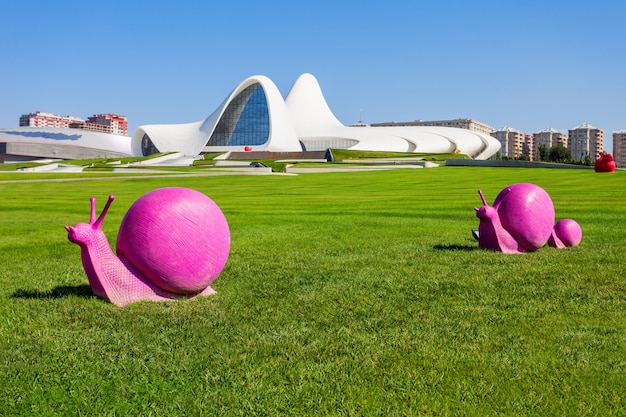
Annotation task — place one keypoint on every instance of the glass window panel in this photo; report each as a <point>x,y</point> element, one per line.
<point>246,120</point>
<point>147,147</point>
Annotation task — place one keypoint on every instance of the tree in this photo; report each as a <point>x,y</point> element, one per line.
<point>542,153</point>
<point>559,153</point>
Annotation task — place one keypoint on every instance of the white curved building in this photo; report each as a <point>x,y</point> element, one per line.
<point>31,143</point>
<point>255,116</point>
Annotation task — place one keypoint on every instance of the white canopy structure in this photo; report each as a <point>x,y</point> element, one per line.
<point>255,116</point>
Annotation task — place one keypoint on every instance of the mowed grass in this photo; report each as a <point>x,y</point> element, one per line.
<point>345,294</point>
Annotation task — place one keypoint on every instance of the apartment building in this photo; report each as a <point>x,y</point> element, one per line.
<point>619,148</point>
<point>548,137</point>
<point>107,123</point>
<point>585,140</point>
<point>118,124</point>
<point>511,141</point>
<point>528,147</point>
<point>94,127</point>
<point>44,119</point>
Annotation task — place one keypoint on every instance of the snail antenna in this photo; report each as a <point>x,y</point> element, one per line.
<point>92,216</point>
<point>98,222</point>
<point>482,197</point>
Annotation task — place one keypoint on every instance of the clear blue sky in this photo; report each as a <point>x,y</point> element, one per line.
<point>525,64</point>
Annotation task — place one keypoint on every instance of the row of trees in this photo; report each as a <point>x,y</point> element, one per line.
<point>559,154</point>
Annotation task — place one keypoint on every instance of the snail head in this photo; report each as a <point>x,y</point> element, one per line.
<point>82,232</point>
<point>484,211</point>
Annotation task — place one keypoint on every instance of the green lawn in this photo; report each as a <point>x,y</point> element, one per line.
<point>348,294</point>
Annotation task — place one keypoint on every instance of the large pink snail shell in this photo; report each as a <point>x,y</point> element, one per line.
<point>527,212</point>
<point>178,238</point>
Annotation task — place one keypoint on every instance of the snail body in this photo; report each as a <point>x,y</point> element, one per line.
<point>172,243</point>
<point>521,220</point>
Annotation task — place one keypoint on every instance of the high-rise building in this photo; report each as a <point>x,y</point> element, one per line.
<point>94,127</point>
<point>548,137</point>
<point>118,123</point>
<point>585,141</point>
<point>619,148</point>
<point>43,119</point>
<point>528,147</point>
<point>469,124</point>
<point>511,141</point>
<point>107,123</point>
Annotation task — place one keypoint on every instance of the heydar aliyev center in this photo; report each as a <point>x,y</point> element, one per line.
<point>253,117</point>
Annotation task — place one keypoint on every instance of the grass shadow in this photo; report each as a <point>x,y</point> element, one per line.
<point>455,247</point>
<point>62,291</point>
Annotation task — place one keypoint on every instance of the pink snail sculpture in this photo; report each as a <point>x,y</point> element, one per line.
<point>522,219</point>
<point>172,243</point>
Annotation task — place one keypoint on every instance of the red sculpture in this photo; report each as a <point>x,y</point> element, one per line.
<point>605,163</point>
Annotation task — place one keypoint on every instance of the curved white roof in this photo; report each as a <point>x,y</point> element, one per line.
<point>313,120</point>
<point>191,138</point>
<point>80,138</point>
<point>169,138</point>
<point>308,109</point>
<point>305,121</point>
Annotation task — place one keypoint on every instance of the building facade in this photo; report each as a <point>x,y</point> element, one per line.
<point>619,148</point>
<point>118,124</point>
<point>469,124</point>
<point>48,120</point>
<point>585,141</point>
<point>547,137</point>
<point>528,147</point>
<point>94,127</point>
<point>106,123</point>
<point>511,141</point>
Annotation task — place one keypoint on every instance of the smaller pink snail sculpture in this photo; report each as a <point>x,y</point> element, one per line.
<point>172,243</point>
<point>521,220</point>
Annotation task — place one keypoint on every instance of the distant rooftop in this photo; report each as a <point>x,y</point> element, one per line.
<point>508,129</point>
<point>549,130</point>
<point>585,126</point>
